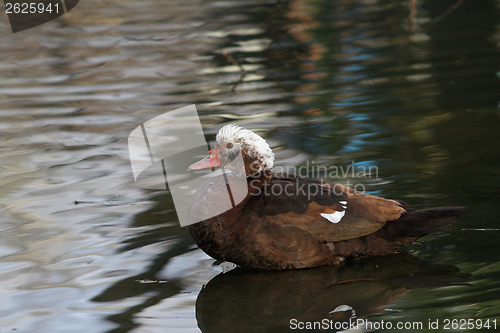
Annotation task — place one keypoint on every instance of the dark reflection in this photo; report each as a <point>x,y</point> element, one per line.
<point>160,214</point>
<point>248,301</point>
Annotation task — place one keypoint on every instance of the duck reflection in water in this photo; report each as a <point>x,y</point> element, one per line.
<point>263,301</point>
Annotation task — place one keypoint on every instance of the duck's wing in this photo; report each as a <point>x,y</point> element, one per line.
<point>330,212</point>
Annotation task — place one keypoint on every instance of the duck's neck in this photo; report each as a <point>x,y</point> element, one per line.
<point>258,180</point>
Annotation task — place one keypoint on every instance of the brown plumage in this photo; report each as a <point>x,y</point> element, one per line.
<point>289,222</point>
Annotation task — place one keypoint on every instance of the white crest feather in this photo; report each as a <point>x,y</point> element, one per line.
<point>255,145</point>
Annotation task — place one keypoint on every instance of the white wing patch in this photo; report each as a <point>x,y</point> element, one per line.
<point>342,308</point>
<point>337,216</point>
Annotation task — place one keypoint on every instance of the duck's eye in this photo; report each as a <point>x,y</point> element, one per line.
<point>229,145</point>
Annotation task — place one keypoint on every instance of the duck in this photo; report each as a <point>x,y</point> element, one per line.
<point>285,221</point>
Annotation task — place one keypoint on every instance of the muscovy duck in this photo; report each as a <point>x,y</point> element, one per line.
<point>291,222</point>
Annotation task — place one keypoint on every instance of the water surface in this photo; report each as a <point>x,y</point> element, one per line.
<point>332,83</point>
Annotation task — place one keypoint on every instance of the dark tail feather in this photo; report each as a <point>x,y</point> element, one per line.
<point>421,222</point>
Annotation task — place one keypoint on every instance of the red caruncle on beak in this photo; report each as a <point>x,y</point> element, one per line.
<point>212,160</point>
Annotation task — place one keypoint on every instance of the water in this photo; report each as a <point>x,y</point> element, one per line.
<point>83,249</point>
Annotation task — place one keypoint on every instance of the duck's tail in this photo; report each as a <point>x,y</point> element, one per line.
<point>396,234</point>
<point>418,223</point>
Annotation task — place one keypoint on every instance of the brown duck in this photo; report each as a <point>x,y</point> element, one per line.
<point>290,222</point>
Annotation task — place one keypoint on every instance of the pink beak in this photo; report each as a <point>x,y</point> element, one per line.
<point>212,160</point>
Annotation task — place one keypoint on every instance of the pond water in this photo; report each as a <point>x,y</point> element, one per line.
<point>327,82</point>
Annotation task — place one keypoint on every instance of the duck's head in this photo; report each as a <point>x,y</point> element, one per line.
<point>233,140</point>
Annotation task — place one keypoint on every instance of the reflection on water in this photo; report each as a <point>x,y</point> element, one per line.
<point>245,301</point>
<point>330,82</point>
